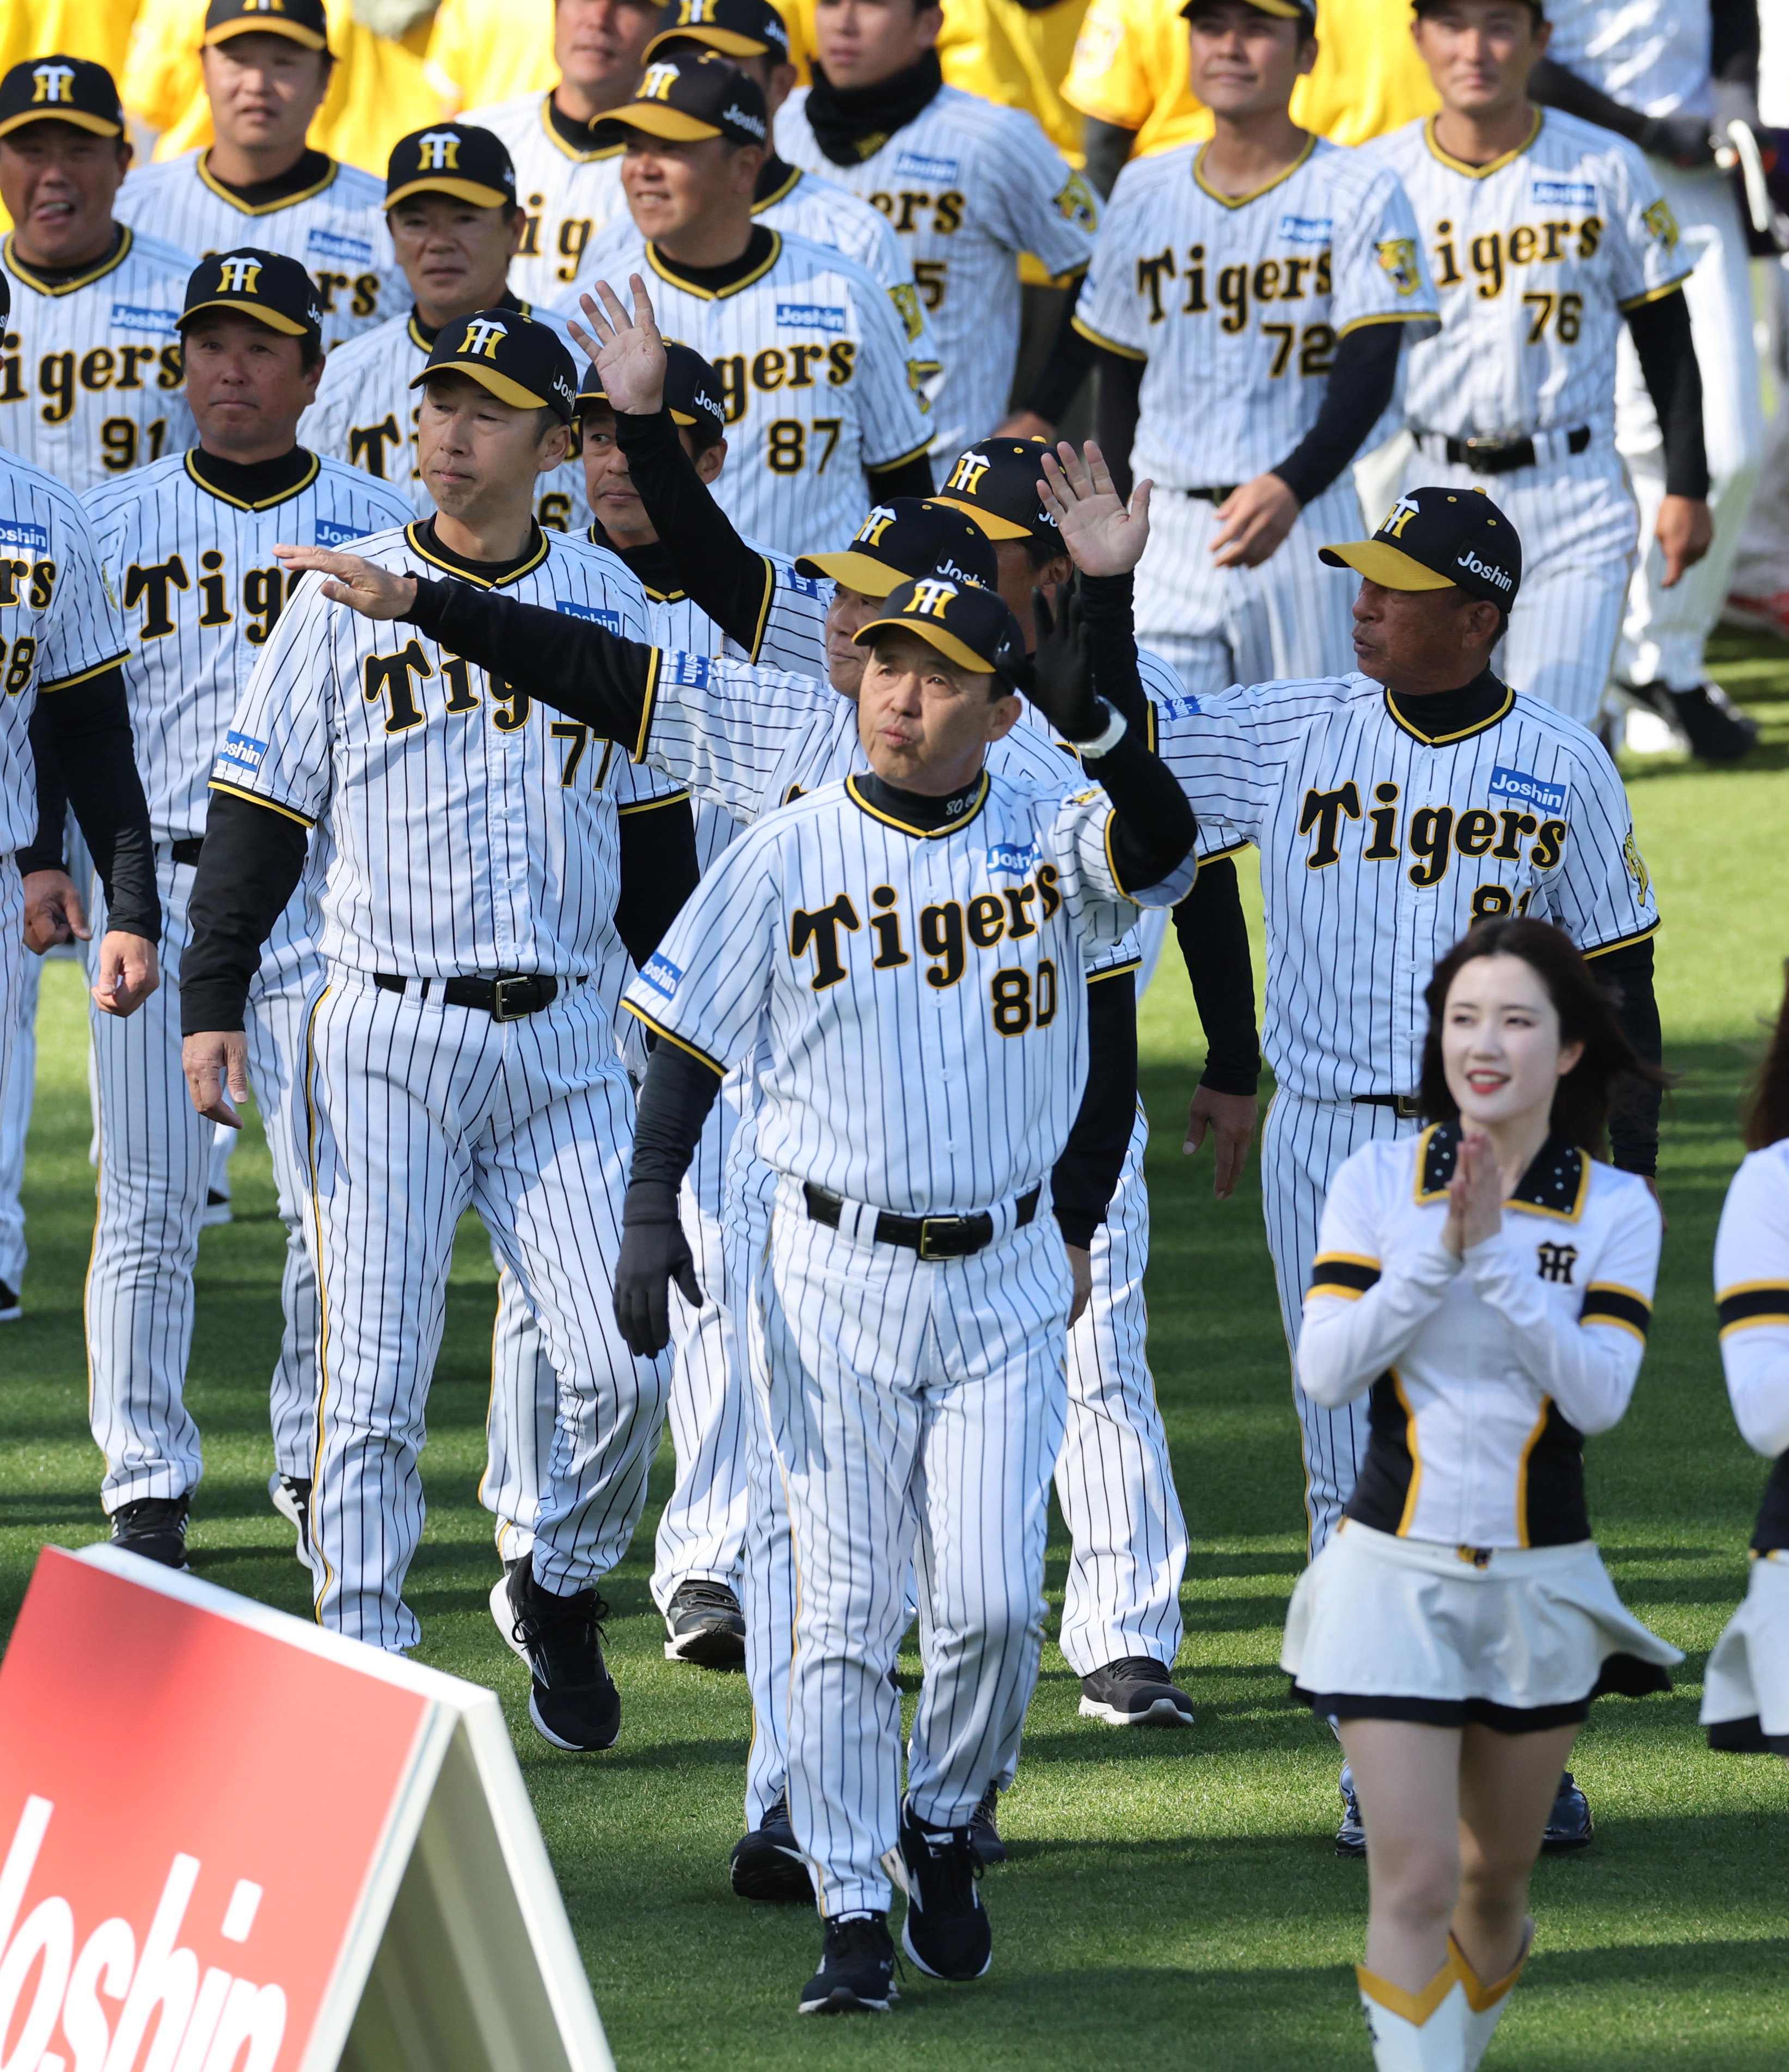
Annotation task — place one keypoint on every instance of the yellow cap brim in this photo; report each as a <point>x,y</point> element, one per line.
<point>259,25</point>
<point>475,191</point>
<point>994,529</point>
<point>274,319</point>
<point>96,125</point>
<point>1381,562</point>
<point>672,124</point>
<point>500,385</point>
<point>862,573</point>
<point>728,40</point>
<point>601,395</point>
<point>941,637</point>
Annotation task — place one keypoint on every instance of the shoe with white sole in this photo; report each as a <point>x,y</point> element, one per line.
<point>290,1497</point>
<point>856,1973</point>
<point>705,1626</point>
<point>768,1863</point>
<point>572,1698</point>
<point>946,1931</point>
<point>1135,1692</point>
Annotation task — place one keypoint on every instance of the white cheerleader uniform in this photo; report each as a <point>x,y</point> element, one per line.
<point>1464,1585</point>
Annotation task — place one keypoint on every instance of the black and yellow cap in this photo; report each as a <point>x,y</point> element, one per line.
<point>522,363</point>
<point>685,100</point>
<point>1280,10</point>
<point>995,481</point>
<point>1439,539</point>
<point>737,28</point>
<point>456,159</point>
<point>968,623</point>
<point>274,290</point>
<point>299,21</point>
<point>907,537</point>
<point>692,393</point>
<point>61,90</point>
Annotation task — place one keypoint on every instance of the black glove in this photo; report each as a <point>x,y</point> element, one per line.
<point>655,1252</point>
<point>1684,140</point>
<point>1061,683</point>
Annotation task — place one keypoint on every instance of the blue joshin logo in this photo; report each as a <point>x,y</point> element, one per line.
<point>136,316</point>
<point>338,244</point>
<point>923,165</point>
<point>21,533</point>
<point>812,316</point>
<point>1563,194</point>
<point>691,671</point>
<point>1307,229</point>
<point>1176,705</point>
<point>241,755</point>
<point>332,532</point>
<point>661,974</point>
<point>1018,857</point>
<point>1531,791</point>
<point>598,614</point>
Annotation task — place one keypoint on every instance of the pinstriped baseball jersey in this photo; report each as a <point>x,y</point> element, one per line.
<point>366,413</point>
<point>968,187</point>
<point>1649,55</point>
<point>470,830</point>
<point>569,195</point>
<point>854,934</point>
<point>1380,849</point>
<point>1536,256</point>
<point>194,573</point>
<point>91,380</point>
<point>57,625</point>
<point>1238,305</point>
<point>816,378</point>
<point>336,232</point>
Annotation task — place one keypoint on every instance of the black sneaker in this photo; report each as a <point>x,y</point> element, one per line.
<point>290,1497</point>
<point>705,1625</point>
<point>856,1973</point>
<point>11,1309</point>
<point>1569,1826</point>
<point>946,1932</point>
<point>984,1837</point>
<point>768,1863</point>
<point>572,1699</point>
<point>1136,1691</point>
<point>1351,1837</point>
<point>154,1526</point>
<point>1716,731</point>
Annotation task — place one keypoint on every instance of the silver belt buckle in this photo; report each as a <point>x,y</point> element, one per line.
<point>500,1008</point>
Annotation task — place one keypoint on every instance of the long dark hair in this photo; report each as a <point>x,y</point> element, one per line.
<point>1766,1117</point>
<point>1586,1010</point>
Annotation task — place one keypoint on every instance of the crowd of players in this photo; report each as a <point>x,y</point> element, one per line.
<point>632,704</point>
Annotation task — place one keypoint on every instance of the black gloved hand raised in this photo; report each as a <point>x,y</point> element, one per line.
<point>1062,679</point>
<point>655,1253</point>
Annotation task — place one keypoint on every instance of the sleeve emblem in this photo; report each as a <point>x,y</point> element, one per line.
<point>1662,223</point>
<point>1076,204</point>
<point>1397,258</point>
<point>1636,865</point>
<point>905,297</point>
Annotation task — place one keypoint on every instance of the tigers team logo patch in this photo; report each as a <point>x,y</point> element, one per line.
<point>1662,223</point>
<point>1397,260</point>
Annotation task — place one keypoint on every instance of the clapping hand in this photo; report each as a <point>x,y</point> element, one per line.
<point>1475,1196</point>
<point>628,351</point>
<point>1104,535</point>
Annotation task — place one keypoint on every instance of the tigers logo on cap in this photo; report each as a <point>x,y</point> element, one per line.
<point>930,597</point>
<point>657,81</point>
<point>967,473</point>
<point>51,85</point>
<point>439,151</point>
<point>869,533</point>
<point>238,277</point>
<point>482,335</point>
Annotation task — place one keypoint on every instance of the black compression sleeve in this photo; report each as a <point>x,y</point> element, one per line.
<point>1361,380</point>
<point>1661,335</point>
<point>89,726</point>
<point>912,477</point>
<point>659,873</point>
<point>48,850</point>
<point>720,573</point>
<point>1087,1175</point>
<point>578,668</point>
<point>1214,943</point>
<point>1069,362</point>
<point>1153,826</point>
<point>253,857</point>
<point>1121,382</point>
<point>679,1090</point>
<point>1107,146</point>
<point>1106,603</point>
<point>1554,87</point>
<point>1634,1129</point>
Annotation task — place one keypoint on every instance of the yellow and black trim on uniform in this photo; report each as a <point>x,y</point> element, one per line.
<point>1557,1183</point>
<point>1747,1304</point>
<point>954,825</point>
<point>257,799</point>
<point>1484,172</point>
<point>195,475</point>
<point>1348,1274</point>
<point>539,550</point>
<point>1608,1302</point>
<point>670,1036</point>
<point>324,181</point>
<point>1279,179</point>
<point>113,259</point>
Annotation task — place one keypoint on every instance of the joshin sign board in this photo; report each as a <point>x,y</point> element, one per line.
<point>231,1843</point>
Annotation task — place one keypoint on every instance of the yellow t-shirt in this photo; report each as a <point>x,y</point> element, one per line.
<point>98,30</point>
<point>1018,56</point>
<point>483,51</point>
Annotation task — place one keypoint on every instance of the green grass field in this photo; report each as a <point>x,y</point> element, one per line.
<point>1172,1901</point>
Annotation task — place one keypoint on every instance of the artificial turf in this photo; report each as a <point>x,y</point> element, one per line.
<point>1172,1899</point>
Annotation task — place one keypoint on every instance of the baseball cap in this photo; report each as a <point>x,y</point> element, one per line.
<point>519,361</point>
<point>737,28</point>
<point>61,90</point>
<point>1281,10</point>
<point>274,290</point>
<point>995,482</point>
<point>303,20</point>
<point>906,537</point>
<point>1439,539</point>
<point>456,159</point>
<point>968,624</point>
<point>686,99</point>
<point>693,392</point>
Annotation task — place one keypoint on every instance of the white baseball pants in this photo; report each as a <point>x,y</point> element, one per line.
<point>416,1111</point>
<point>18,1084</point>
<point>1303,1143</point>
<point>155,1162</point>
<point>915,1411</point>
<point>13,958</point>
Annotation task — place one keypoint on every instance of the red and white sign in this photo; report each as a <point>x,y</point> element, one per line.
<point>226,1837</point>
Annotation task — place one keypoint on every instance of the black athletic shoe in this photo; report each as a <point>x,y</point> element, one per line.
<point>946,1932</point>
<point>572,1699</point>
<point>768,1863</point>
<point>154,1526</point>
<point>1351,1837</point>
<point>1136,1691</point>
<point>290,1497</point>
<point>984,1837</point>
<point>1716,731</point>
<point>1569,1826</point>
<point>11,1309</point>
<point>705,1625</point>
<point>856,1973</point>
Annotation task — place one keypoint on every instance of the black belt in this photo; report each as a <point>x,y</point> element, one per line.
<point>1405,1106</point>
<point>186,849</point>
<point>932,1237</point>
<point>507,997</point>
<point>1218,493</point>
<point>1500,456</point>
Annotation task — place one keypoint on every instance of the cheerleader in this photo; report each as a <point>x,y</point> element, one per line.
<point>1490,1283</point>
<point>1746,1697</point>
